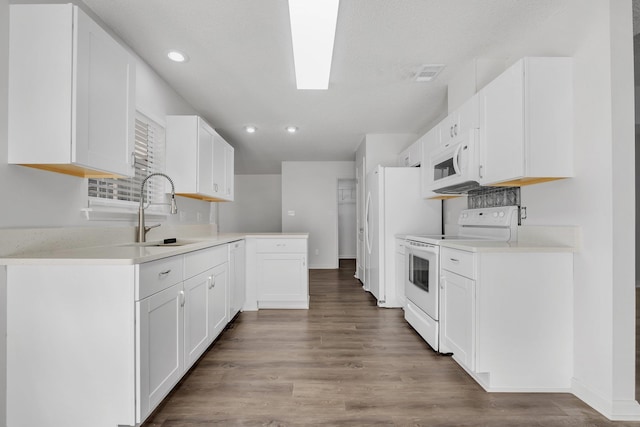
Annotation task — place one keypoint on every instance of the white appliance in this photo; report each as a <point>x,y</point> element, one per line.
<point>422,263</point>
<point>455,168</point>
<point>393,206</point>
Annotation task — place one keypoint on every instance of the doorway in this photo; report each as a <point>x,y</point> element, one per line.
<point>347,228</point>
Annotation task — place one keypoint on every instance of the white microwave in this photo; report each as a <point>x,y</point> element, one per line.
<point>455,169</point>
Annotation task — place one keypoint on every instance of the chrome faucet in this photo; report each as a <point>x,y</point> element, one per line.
<point>142,229</point>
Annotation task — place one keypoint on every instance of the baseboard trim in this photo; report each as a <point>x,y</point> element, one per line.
<point>615,410</point>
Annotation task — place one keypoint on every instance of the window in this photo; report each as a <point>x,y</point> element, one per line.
<point>124,193</point>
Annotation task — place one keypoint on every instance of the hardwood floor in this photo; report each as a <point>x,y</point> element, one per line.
<point>346,362</point>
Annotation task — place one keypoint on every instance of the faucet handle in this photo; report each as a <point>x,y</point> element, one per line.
<point>149,227</point>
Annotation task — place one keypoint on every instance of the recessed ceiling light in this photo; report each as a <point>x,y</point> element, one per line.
<point>250,129</point>
<point>313,30</point>
<point>291,129</point>
<point>177,56</point>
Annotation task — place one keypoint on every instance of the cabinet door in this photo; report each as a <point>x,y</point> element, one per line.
<point>230,170</point>
<point>283,277</point>
<point>105,103</point>
<point>160,346</point>
<point>196,316</point>
<point>218,289</point>
<point>468,116</point>
<point>219,167</point>
<point>205,159</point>
<point>502,127</point>
<point>237,279</point>
<point>449,128</point>
<point>457,317</point>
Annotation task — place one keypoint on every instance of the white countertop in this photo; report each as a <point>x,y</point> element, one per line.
<point>498,246</point>
<point>135,253</point>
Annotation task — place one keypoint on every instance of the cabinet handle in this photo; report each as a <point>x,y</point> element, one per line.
<point>133,159</point>
<point>182,299</point>
<point>451,131</point>
<point>215,187</point>
<point>164,273</point>
<point>304,262</point>
<point>454,260</point>
<point>212,282</point>
<point>455,129</point>
<point>480,171</point>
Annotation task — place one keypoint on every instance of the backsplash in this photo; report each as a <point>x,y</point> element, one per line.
<point>489,197</point>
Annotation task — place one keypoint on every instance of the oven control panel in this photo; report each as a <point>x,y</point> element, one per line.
<point>505,216</point>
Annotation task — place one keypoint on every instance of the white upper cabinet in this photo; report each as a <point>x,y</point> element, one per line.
<point>71,93</point>
<point>526,123</point>
<point>460,121</point>
<point>411,156</point>
<point>199,161</point>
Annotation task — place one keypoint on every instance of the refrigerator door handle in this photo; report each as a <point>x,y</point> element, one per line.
<point>367,223</point>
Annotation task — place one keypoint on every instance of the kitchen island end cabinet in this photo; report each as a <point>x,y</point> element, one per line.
<point>277,272</point>
<point>102,345</point>
<point>507,317</point>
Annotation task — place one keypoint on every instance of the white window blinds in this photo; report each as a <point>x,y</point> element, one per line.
<point>149,158</point>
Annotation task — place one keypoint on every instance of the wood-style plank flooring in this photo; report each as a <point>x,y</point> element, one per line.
<point>346,362</point>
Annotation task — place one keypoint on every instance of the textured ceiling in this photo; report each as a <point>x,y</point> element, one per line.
<point>241,68</point>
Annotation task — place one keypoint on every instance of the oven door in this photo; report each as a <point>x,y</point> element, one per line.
<point>422,284</point>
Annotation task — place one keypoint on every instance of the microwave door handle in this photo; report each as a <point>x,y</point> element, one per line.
<point>456,158</point>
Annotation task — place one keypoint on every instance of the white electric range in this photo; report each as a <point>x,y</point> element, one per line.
<point>422,285</point>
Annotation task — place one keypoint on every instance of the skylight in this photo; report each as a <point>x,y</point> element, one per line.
<point>313,30</point>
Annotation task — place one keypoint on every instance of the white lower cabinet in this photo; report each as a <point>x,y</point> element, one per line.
<point>161,335</point>
<point>277,273</point>
<point>237,277</point>
<point>457,306</point>
<point>283,279</point>
<point>117,338</point>
<point>507,317</point>
<point>197,315</point>
<point>218,299</point>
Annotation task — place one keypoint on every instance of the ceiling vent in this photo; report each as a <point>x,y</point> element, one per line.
<point>428,72</point>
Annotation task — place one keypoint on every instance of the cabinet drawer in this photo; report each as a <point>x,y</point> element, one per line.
<point>204,259</point>
<point>158,275</point>
<point>281,245</point>
<point>459,262</point>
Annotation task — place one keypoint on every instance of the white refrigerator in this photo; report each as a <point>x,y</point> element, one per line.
<point>393,205</point>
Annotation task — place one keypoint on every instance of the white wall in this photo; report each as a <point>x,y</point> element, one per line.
<point>257,206</point>
<point>309,191</point>
<point>600,199</point>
